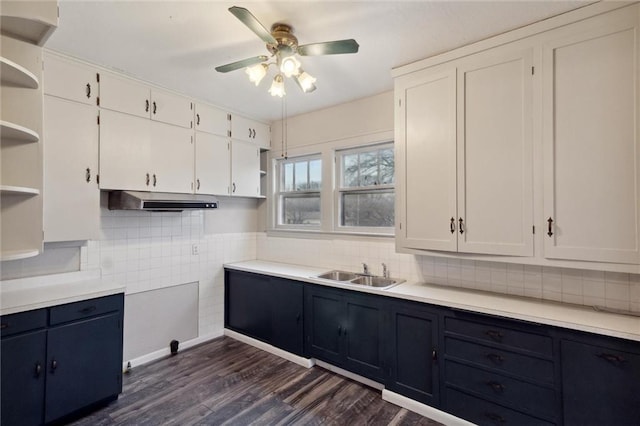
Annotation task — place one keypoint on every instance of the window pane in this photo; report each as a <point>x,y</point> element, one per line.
<point>374,209</point>
<point>288,177</point>
<point>386,166</point>
<point>315,174</point>
<point>301,210</point>
<point>301,176</point>
<point>349,170</point>
<point>368,168</point>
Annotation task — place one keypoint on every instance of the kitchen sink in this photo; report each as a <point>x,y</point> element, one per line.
<point>382,283</point>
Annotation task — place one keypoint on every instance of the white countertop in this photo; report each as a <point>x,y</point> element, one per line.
<point>574,317</point>
<point>40,292</point>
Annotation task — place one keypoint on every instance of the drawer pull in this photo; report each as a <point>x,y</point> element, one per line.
<point>495,358</point>
<point>38,369</point>
<point>612,358</point>
<point>495,335</point>
<point>4,325</point>
<point>495,418</point>
<point>497,387</point>
<point>87,310</point>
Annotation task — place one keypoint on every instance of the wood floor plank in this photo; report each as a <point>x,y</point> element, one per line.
<point>226,382</point>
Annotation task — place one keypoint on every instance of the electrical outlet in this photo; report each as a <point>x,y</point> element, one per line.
<point>195,250</point>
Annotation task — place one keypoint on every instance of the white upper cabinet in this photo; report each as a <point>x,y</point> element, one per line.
<point>245,169</point>
<point>70,80</point>
<point>495,157</point>
<point>211,120</point>
<point>171,158</point>
<point>426,160</point>
<point>590,131</point>
<point>213,164</point>
<point>248,130</point>
<point>465,156</point>
<point>171,109</point>
<point>71,193</point>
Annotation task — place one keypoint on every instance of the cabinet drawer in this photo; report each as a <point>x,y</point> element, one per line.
<point>496,334</point>
<point>482,412</point>
<point>505,390</point>
<point>23,321</point>
<point>522,365</point>
<point>86,308</point>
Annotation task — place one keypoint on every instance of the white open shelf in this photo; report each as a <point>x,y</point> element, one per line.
<point>12,74</point>
<point>14,131</point>
<point>18,190</point>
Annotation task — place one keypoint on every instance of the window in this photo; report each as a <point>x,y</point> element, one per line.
<point>298,192</point>
<point>365,191</point>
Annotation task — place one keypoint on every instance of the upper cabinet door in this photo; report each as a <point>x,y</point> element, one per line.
<point>212,120</point>
<point>426,160</point>
<point>171,158</point>
<point>171,109</point>
<point>591,152</point>
<point>244,129</point>
<point>70,80</point>
<point>495,157</point>
<point>245,169</point>
<point>213,164</point>
<point>125,95</point>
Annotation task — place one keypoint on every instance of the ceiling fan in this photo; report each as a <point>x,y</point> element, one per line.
<point>283,46</point>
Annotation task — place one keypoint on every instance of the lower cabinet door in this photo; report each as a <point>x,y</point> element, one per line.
<point>247,307</point>
<point>413,346</point>
<point>323,325</point>
<point>84,364</point>
<point>600,385</point>
<point>23,373</point>
<point>286,315</point>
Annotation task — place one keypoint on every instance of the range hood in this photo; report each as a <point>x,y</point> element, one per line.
<point>160,201</point>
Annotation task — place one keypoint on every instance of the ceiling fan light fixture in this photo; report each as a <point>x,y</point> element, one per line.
<point>277,86</point>
<point>290,66</point>
<point>256,73</point>
<point>305,81</point>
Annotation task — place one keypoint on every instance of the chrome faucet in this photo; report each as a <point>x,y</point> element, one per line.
<point>385,271</point>
<point>365,269</point>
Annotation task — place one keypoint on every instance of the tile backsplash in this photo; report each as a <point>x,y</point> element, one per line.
<point>583,287</point>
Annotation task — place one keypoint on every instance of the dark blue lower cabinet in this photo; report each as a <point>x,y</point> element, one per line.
<point>413,348</point>
<point>52,370</point>
<point>23,378</point>
<point>600,383</point>
<point>346,329</point>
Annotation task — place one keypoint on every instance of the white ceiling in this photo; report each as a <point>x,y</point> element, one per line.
<point>177,44</point>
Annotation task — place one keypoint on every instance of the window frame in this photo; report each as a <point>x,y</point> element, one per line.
<point>340,190</point>
<point>280,194</point>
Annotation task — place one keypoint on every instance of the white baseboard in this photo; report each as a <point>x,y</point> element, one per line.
<point>304,362</point>
<point>423,409</point>
<point>350,375</point>
<point>163,353</point>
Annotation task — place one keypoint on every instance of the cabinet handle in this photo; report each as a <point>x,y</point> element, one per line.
<point>148,179</point>
<point>198,119</point>
<point>155,107</point>
<point>254,133</point>
<point>494,417</point>
<point>497,387</point>
<point>88,90</point>
<point>461,221</point>
<point>38,369</point>
<point>434,355</point>
<point>549,231</point>
<point>612,358</point>
<point>198,184</point>
<point>146,105</point>
<point>339,330</point>
<point>495,358</point>
<point>452,225</point>
<point>495,335</point>
<point>54,365</point>
<point>88,175</point>
<point>87,310</point>
<point>298,318</point>
<point>155,180</point>
<point>4,325</point>
<point>234,188</point>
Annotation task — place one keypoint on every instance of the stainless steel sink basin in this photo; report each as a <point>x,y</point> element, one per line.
<point>338,276</point>
<point>360,279</point>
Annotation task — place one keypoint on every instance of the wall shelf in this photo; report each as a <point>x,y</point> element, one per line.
<point>14,131</point>
<point>18,254</point>
<point>12,74</point>
<point>18,190</point>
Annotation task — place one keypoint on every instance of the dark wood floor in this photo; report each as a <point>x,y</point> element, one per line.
<point>228,382</point>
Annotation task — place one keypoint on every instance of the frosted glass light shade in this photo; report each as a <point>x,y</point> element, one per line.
<point>277,87</point>
<point>256,73</point>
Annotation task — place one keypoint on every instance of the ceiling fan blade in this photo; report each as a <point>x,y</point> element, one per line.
<point>329,48</point>
<point>253,24</point>
<point>241,64</point>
